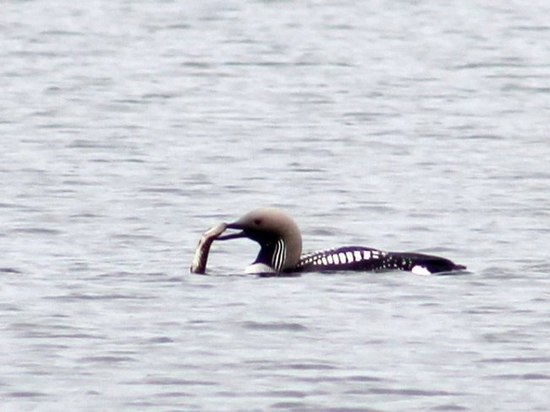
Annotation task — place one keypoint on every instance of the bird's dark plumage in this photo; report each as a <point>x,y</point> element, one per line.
<point>281,250</point>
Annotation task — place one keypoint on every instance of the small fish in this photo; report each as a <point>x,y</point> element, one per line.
<point>201,253</point>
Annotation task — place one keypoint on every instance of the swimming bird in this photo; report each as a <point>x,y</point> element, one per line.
<point>280,252</point>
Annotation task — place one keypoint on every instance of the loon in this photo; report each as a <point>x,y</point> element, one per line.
<point>280,252</point>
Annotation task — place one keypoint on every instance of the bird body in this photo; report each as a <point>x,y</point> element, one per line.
<point>280,252</point>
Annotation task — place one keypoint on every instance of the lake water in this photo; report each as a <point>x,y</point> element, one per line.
<point>130,127</point>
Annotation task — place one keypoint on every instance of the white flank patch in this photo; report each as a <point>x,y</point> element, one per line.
<point>329,258</point>
<point>420,270</point>
<point>366,255</point>
<point>349,256</point>
<point>336,260</point>
<point>357,255</point>
<point>324,260</point>
<point>259,268</point>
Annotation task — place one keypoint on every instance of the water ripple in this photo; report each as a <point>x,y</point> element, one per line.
<point>274,326</point>
<point>525,376</point>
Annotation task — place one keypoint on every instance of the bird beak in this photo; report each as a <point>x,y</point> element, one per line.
<point>230,236</point>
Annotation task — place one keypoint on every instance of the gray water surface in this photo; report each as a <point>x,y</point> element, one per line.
<point>130,127</point>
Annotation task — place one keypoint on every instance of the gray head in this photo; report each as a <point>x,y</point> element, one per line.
<point>278,235</point>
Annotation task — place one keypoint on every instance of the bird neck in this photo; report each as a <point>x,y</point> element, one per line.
<point>273,253</point>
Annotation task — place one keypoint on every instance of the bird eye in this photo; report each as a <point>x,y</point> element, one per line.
<point>257,222</point>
